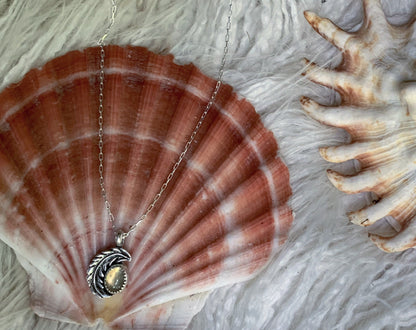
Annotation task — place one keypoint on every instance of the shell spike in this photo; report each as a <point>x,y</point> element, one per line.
<point>340,81</point>
<point>363,218</point>
<point>325,77</point>
<point>328,30</point>
<point>367,180</point>
<point>374,17</point>
<point>339,116</point>
<point>402,241</point>
<point>341,154</point>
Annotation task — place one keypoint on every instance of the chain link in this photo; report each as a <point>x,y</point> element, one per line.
<point>120,234</point>
<point>110,23</point>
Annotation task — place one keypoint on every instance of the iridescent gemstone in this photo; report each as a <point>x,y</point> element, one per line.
<point>115,279</point>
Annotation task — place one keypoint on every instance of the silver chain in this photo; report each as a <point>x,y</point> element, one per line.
<point>120,234</point>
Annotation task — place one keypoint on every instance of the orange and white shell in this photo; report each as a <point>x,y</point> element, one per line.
<point>378,110</point>
<point>218,222</point>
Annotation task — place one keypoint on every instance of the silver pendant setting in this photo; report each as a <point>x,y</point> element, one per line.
<point>106,274</point>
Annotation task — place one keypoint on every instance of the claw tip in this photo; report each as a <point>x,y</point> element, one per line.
<point>304,100</point>
<point>322,152</point>
<point>311,17</point>
<point>308,14</point>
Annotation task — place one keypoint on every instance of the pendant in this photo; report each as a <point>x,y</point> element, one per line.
<point>106,274</point>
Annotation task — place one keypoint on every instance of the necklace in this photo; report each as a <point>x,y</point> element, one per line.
<point>107,272</point>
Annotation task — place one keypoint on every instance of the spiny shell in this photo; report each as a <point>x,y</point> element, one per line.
<point>218,222</point>
<point>378,110</point>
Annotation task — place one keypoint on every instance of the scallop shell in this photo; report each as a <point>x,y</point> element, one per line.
<point>219,221</point>
<point>378,110</point>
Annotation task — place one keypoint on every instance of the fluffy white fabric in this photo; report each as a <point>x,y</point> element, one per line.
<point>328,275</point>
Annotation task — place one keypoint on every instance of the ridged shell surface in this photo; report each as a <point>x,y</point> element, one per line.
<point>378,110</point>
<point>218,222</point>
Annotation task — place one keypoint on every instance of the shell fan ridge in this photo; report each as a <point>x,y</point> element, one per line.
<point>219,221</point>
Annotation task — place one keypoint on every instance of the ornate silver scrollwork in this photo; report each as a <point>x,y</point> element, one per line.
<point>106,274</point>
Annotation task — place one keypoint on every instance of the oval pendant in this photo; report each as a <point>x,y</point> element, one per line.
<point>106,274</point>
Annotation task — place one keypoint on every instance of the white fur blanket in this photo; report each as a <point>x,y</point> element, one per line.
<point>328,275</point>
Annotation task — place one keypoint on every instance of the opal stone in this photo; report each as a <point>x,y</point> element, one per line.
<point>115,279</point>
